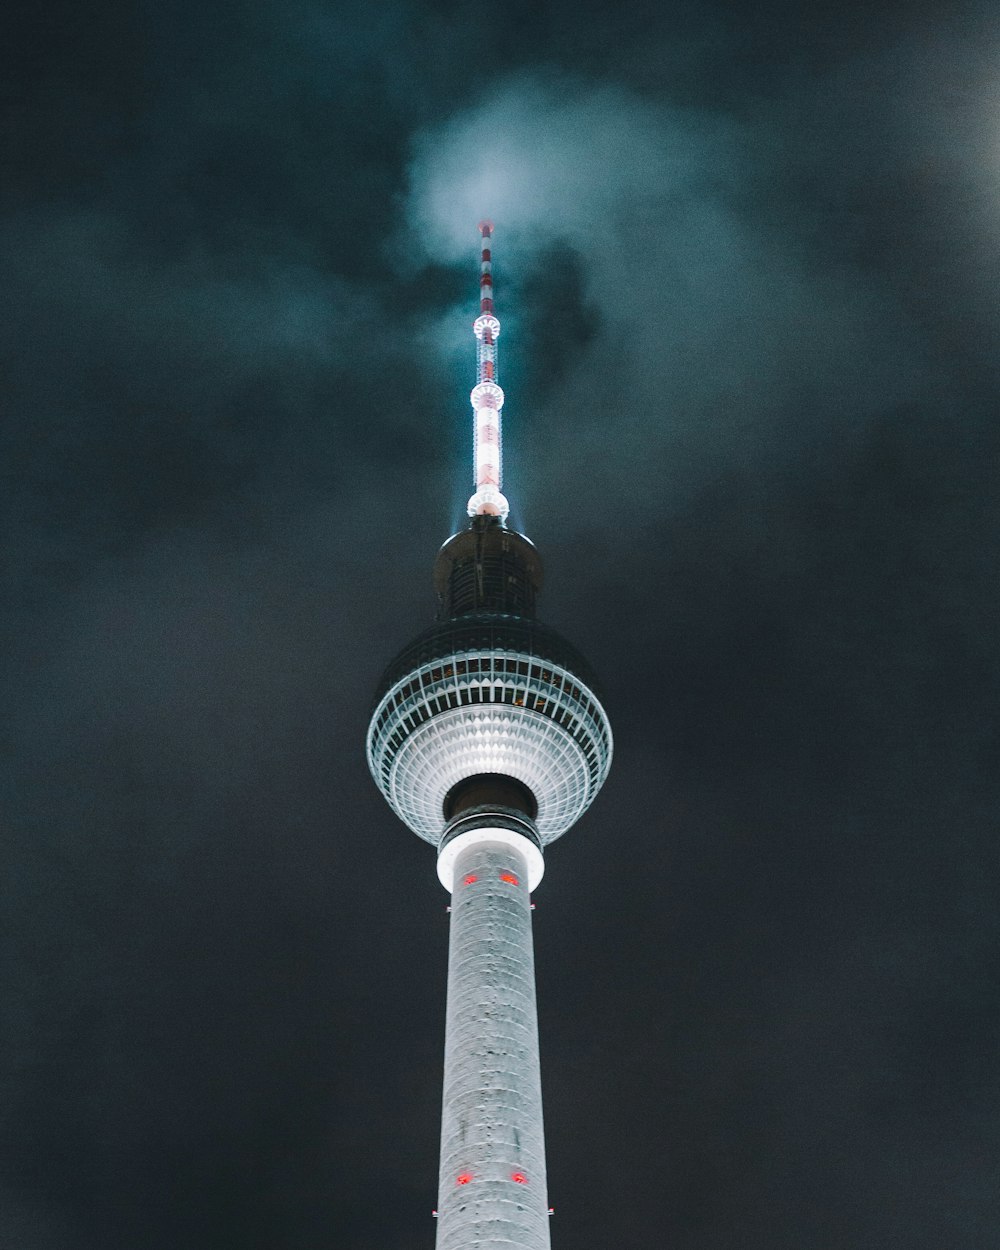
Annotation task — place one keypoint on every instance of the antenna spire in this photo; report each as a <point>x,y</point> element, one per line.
<point>487,397</point>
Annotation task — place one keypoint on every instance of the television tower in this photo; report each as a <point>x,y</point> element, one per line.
<point>489,741</point>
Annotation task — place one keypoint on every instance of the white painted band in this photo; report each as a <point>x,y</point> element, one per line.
<point>517,841</point>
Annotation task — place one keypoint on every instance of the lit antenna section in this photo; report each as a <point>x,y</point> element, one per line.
<point>487,397</point>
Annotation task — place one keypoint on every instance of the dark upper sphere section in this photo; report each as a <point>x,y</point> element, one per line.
<point>487,579</point>
<point>487,631</point>
<point>487,568</point>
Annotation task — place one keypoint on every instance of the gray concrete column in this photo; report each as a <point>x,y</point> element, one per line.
<point>492,1191</point>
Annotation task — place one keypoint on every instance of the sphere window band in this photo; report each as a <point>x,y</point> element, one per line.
<point>433,685</point>
<point>557,741</point>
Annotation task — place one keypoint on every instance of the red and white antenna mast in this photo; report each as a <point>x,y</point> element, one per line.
<point>487,397</point>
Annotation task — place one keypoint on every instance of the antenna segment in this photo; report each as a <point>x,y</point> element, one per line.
<point>487,397</point>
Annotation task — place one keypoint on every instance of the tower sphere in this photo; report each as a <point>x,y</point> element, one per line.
<point>488,691</point>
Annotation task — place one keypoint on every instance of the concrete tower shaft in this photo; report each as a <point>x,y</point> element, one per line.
<point>492,1189</point>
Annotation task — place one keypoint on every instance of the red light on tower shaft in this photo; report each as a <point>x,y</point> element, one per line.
<point>463,1178</point>
<point>509,878</point>
<point>519,1178</point>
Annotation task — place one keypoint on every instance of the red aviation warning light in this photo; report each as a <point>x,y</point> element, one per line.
<point>487,397</point>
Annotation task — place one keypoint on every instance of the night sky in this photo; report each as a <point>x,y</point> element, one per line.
<point>747,261</point>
